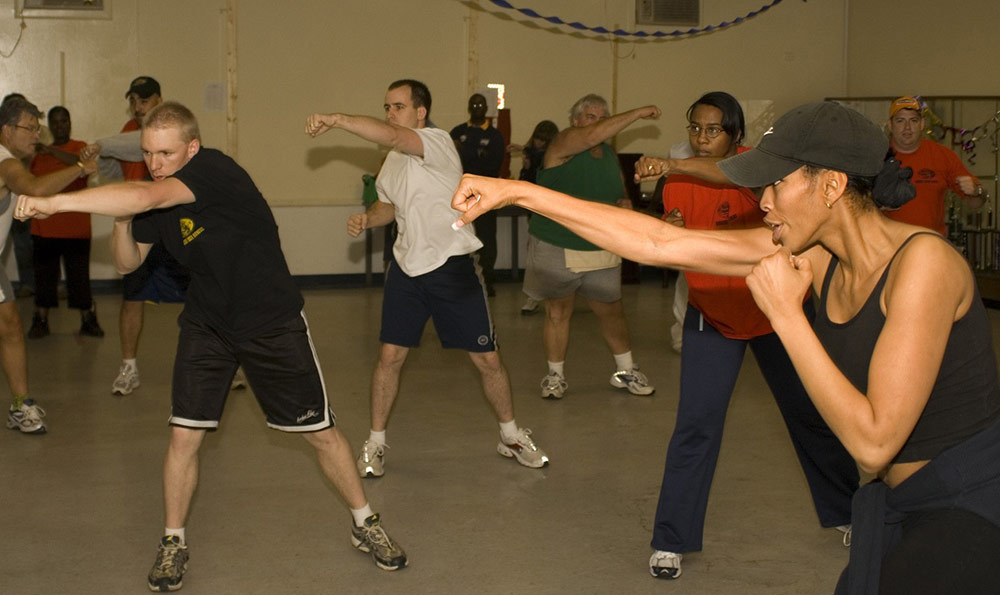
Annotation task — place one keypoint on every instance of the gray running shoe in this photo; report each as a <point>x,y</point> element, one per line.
<point>371,461</point>
<point>126,382</point>
<point>665,564</point>
<point>553,386</point>
<point>171,563</point>
<point>27,418</point>
<point>523,448</point>
<point>371,538</point>
<point>634,380</point>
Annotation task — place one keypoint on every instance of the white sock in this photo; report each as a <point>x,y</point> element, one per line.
<point>508,429</point>
<point>131,363</point>
<point>377,437</point>
<point>360,514</point>
<point>623,361</point>
<point>557,367</point>
<point>177,532</point>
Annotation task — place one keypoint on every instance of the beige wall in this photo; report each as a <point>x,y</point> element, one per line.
<point>928,48</point>
<point>298,57</point>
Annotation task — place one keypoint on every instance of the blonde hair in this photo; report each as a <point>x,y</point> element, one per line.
<point>171,114</point>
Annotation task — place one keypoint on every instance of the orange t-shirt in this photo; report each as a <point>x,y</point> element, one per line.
<point>61,225</point>
<point>935,168</point>
<point>133,171</point>
<point>725,302</point>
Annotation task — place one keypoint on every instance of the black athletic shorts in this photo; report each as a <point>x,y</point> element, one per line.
<point>280,365</point>
<point>452,295</point>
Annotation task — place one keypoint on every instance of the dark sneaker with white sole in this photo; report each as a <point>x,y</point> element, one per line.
<point>372,539</point>
<point>171,563</point>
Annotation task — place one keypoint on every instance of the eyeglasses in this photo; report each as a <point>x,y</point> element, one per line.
<point>710,131</point>
<point>30,129</point>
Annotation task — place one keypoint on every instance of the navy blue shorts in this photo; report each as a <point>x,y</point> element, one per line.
<point>453,295</point>
<point>280,365</point>
<point>159,279</point>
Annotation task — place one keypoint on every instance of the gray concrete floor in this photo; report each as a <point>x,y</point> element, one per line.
<point>83,507</point>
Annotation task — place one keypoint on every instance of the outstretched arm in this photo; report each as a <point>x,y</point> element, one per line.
<point>116,200</point>
<point>19,180</point>
<point>384,133</point>
<point>577,139</point>
<point>627,233</point>
<point>706,168</point>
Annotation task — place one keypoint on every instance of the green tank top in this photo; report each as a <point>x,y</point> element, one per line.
<point>583,176</point>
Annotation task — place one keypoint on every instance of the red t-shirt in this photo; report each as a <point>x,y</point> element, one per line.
<point>61,225</point>
<point>133,171</point>
<point>725,302</point>
<point>935,168</point>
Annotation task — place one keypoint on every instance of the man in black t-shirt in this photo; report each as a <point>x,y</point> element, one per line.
<point>482,149</point>
<point>242,308</point>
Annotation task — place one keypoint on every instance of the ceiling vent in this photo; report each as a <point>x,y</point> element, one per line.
<point>85,9</point>
<point>668,12</point>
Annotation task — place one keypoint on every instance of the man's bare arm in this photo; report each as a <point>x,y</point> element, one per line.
<point>117,200</point>
<point>19,180</point>
<point>384,133</point>
<point>577,139</point>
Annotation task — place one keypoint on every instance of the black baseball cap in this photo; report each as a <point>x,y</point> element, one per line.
<point>144,86</point>
<point>825,134</point>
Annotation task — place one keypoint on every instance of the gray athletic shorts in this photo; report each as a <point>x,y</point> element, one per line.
<point>547,277</point>
<point>6,218</point>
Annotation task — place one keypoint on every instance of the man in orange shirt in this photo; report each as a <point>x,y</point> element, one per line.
<point>935,168</point>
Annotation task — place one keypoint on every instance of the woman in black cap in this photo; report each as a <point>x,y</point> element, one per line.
<point>899,360</point>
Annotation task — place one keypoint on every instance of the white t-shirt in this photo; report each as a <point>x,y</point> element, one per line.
<point>420,189</point>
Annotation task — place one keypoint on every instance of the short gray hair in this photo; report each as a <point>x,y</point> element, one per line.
<point>589,100</point>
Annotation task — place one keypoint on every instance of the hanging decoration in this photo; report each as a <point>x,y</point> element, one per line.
<point>966,138</point>
<point>555,20</point>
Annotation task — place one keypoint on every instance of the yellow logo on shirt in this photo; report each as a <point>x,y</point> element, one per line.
<point>188,232</point>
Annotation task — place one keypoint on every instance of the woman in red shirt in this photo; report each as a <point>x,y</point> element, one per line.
<point>722,320</point>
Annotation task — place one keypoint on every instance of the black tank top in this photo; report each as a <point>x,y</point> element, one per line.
<point>966,394</point>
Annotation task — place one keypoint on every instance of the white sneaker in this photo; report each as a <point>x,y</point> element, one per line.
<point>530,307</point>
<point>665,564</point>
<point>371,461</point>
<point>634,380</point>
<point>523,448</point>
<point>27,418</point>
<point>553,386</point>
<point>126,382</point>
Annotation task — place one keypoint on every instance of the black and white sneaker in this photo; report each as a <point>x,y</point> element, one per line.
<point>171,563</point>
<point>371,538</point>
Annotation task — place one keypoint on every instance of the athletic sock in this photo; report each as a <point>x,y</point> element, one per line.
<point>131,363</point>
<point>17,401</point>
<point>360,514</point>
<point>179,533</point>
<point>623,361</point>
<point>377,437</point>
<point>508,429</point>
<point>557,367</point>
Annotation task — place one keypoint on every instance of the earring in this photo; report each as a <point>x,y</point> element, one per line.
<point>828,205</point>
